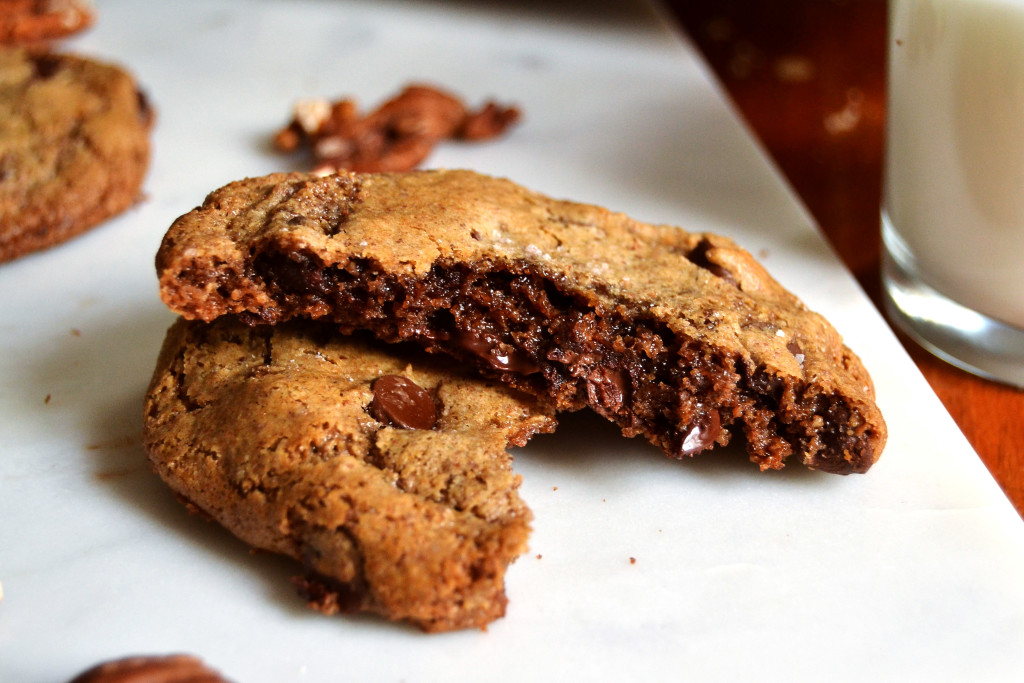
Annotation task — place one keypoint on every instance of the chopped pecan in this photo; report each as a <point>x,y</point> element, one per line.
<point>397,136</point>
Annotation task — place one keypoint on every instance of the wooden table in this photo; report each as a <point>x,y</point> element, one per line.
<point>809,78</point>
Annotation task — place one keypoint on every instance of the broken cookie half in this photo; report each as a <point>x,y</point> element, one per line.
<point>385,474</point>
<point>682,338</point>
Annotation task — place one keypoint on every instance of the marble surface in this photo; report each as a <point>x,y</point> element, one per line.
<point>911,572</point>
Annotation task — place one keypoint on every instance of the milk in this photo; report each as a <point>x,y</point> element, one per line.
<point>954,180</point>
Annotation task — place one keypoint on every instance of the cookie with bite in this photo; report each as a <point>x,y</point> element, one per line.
<point>682,338</point>
<point>384,473</point>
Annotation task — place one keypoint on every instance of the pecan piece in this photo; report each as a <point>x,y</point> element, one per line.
<point>395,137</point>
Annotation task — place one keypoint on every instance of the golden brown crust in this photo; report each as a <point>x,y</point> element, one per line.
<point>292,245</point>
<point>270,431</point>
<point>74,147</point>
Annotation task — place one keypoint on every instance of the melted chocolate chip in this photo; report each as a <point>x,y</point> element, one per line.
<point>608,387</point>
<point>699,258</point>
<point>485,346</point>
<point>797,352</point>
<point>702,433</point>
<point>769,386</point>
<point>400,402</point>
<point>297,273</point>
<point>476,342</point>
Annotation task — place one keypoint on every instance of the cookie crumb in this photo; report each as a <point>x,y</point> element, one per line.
<point>47,400</point>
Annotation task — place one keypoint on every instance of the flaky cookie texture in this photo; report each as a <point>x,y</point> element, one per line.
<point>683,338</point>
<point>74,147</point>
<point>284,436</point>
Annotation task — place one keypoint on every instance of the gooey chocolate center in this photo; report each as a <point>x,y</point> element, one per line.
<point>553,341</point>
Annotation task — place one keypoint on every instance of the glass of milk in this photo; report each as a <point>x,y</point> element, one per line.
<point>953,200</point>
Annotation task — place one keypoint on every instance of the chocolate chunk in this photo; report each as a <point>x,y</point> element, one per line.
<point>607,387</point>
<point>400,402</point>
<point>798,353</point>
<point>699,257</point>
<point>486,346</point>
<point>702,433</point>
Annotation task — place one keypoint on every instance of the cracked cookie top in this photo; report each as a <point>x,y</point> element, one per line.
<point>703,285</point>
<point>385,474</point>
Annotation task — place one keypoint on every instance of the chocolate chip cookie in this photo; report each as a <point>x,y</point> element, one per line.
<point>386,474</point>
<point>74,147</point>
<point>26,22</point>
<point>682,338</point>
